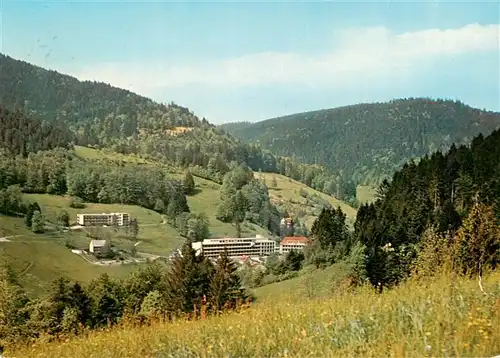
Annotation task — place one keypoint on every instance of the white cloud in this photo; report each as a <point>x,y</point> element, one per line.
<point>360,55</point>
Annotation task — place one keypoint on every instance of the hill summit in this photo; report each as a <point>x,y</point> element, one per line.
<point>368,142</point>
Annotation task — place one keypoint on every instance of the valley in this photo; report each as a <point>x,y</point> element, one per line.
<point>49,255</point>
<point>354,231</point>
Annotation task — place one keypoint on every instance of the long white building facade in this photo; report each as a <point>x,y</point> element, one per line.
<point>245,246</point>
<point>257,246</point>
<point>119,219</point>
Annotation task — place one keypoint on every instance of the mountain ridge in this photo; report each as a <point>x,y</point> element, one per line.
<point>354,134</point>
<point>102,116</point>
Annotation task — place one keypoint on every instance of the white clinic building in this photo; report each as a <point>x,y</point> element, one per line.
<point>257,246</point>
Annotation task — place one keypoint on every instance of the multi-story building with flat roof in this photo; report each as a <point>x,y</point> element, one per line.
<point>245,246</point>
<point>119,219</point>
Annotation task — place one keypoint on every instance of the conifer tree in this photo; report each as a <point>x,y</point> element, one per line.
<point>80,302</point>
<point>189,184</point>
<point>225,283</point>
<point>107,300</point>
<point>330,228</point>
<point>477,244</point>
<point>133,229</point>
<point>13,308</point>
<point>187,280</point>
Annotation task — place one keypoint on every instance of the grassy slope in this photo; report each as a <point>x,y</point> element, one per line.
<point>287,195</point>
<point>90,153</point>
<point>440,318</point>
<point>311,283</point>
<point>205,201</point>
<point>44,257</point>
<point>41,258</point>
<point>365,193</point>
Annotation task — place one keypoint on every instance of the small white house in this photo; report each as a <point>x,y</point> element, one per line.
<point>99,247</point>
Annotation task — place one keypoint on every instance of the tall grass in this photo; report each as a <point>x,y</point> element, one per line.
<point>439,317</point>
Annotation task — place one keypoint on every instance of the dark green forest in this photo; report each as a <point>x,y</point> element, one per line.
<point>99,115</point>
<point>366,143</point>
<point>450,199</point>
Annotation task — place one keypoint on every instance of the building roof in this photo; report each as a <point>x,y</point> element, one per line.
<point>100,214</point>
<point>98,243</point>
<point>291,240</point>
<point>232,240</point>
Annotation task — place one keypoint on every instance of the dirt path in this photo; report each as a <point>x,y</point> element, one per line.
<point>6,238</point>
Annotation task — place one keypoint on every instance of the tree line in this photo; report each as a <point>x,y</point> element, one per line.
<point>450,199</point>
<point>191,287</point>
<point>59,172</point>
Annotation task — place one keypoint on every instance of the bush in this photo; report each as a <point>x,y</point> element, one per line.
<point>77,203</point>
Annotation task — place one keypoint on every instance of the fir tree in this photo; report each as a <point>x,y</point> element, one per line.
<point>133,229</point>
<point>187,280</point>
<point>225,284</point>
<point>189,184</point>
<point>330,228</point>
<point>14,313</point>
<point>478,240</point>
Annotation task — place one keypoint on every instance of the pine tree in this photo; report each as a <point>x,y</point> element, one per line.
<point>187,280</point>
<point>133,229</point>
<point>225,284</point>
<point>330,228</point>
<point>189,184</point>
<point>293,260</point>
<point>107,300</point>
<point>81,303</point>
<point>59,299</point>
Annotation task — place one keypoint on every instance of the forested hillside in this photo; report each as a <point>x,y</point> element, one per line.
<point>98,114</point>
<point>368,142</point>
<point>446,206</point>
<point>20,135</point>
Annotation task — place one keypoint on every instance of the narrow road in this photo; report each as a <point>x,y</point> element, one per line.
<point>6,238</point>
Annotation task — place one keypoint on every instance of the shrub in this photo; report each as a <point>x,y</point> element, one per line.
<point>77,203</point>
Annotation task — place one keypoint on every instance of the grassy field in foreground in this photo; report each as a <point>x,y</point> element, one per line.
<point>440,318</point>
<point>287,195</point>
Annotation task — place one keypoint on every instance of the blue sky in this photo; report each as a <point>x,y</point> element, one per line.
<point>233,61</point>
